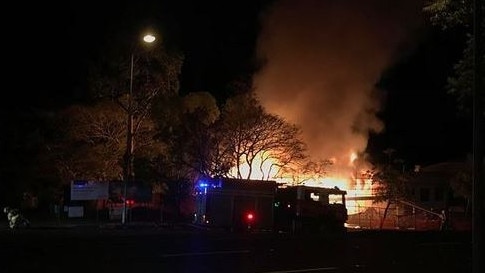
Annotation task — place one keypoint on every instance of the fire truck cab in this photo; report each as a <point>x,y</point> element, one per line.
<point>302,209</point>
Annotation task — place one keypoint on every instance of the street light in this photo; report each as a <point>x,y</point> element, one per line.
<point>129,173</point>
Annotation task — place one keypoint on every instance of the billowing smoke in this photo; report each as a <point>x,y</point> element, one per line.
<point>322,61</point>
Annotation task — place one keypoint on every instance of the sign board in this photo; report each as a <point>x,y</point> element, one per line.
<point>75,212</point>
<point>89,190</point>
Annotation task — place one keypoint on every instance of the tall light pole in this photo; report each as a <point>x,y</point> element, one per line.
<point>478,174</point>
<point>129,174</point>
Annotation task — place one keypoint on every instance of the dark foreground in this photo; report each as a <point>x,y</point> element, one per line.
<point>185,249</point>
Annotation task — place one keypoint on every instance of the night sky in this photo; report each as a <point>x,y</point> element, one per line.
<point>311,47</point>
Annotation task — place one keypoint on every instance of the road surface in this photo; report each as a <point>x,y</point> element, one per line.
<point>185,249</point>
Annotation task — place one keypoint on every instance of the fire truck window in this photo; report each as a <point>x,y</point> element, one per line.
<point>335,199</point>
<point>314,196</point>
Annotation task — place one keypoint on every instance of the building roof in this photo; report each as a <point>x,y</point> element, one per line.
<point>439,173</point>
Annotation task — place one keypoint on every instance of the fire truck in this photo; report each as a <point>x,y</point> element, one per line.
<point>241,205</point>
<point>304,209</point>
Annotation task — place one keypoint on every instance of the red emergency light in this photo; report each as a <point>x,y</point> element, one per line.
<point>249,216</point>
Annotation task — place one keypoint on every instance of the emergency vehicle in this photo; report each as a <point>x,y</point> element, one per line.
<point>239,204</point>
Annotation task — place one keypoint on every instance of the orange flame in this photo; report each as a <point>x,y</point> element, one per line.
<point>358,187</point>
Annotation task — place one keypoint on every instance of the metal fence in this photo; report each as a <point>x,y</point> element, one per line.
<point>403,216</point>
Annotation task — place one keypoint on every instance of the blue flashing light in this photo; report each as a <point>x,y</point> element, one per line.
<point>204,184</point>
<point>80,184</point>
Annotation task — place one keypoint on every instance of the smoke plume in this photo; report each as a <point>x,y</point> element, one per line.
<point>322,61</point>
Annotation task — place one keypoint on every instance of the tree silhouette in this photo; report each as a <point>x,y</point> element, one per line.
<point>250,134</point>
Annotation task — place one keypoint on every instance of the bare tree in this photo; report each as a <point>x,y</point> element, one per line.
<point>390,181</point>
<point>251,135</point>
<point>93,142</point>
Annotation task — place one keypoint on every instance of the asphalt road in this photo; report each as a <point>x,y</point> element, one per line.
<point>185,249</point>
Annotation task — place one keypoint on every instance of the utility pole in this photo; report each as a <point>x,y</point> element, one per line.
<point>478,154</point>
<point>128,174</point>
<point>128,170</point>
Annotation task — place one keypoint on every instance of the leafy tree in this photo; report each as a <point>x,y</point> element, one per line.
<point>450,14</point>
<point>462,183</point>
<point>23,169</point>
<point>136,85</point>
<point>187,128</point>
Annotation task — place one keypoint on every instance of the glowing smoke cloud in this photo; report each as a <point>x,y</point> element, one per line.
<point>322,60</point>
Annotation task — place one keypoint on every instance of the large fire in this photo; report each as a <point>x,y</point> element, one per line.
<point>345,176</point>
